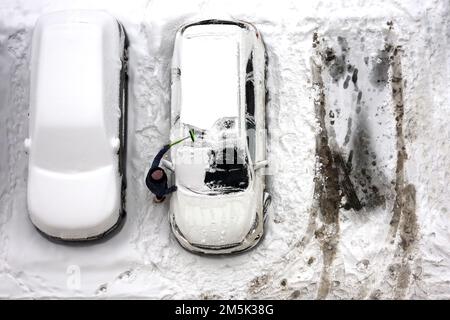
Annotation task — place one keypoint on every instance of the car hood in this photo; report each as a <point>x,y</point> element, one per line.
<point>213,220</point>
<point>74,205</point>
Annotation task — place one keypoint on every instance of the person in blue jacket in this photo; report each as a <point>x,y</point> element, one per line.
<point>156,179</point>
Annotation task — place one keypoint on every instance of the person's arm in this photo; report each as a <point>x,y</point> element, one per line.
<point>159,156</point>
<point>171,189</point>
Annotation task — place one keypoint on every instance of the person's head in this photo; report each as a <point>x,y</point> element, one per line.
<point>157,175</point>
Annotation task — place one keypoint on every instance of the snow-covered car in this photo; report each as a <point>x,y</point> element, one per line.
<point>218,89</point>
<point>77,125</point>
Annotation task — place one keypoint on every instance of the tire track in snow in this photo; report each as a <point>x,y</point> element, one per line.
<point>333,174</point>
<point>404,220</point>
<point>403,223</point>
<point>397,97</point>
<point>326,187</point>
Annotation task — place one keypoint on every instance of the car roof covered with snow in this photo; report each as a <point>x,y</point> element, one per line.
<point>72,95</point>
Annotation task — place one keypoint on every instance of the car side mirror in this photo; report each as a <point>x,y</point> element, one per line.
<point>115,144</point>
<point>260,164</point>
<point>168,165</point>
<point>27,144</point>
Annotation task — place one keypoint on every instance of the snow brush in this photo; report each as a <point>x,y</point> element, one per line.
<point>191,135</point>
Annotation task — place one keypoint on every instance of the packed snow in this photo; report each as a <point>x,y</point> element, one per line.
<point>371,77</point>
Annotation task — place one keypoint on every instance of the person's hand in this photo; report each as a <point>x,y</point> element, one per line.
<point>158,200</point>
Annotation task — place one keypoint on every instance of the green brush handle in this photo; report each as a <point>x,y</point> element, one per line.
<point>191,135</point>
<point>178,141</point>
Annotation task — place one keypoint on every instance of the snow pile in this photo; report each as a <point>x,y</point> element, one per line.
<point>381,72</point>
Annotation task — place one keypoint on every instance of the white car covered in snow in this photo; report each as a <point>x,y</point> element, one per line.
<point>218,89</point>
<point>77,125</point>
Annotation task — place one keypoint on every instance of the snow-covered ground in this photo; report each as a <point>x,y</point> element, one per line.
<point>380,70</point>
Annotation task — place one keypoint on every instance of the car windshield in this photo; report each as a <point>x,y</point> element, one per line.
<point>67,150</point>
<point>216,163</point>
